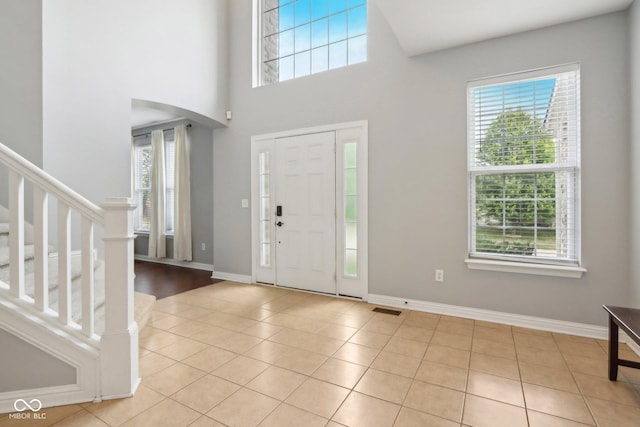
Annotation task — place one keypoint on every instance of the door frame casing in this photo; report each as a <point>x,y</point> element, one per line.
<point>355,286</point>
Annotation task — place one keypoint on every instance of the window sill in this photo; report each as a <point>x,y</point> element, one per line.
<point>571,272</point>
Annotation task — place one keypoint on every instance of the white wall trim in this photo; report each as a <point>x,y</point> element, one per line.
<point>623,337</point>
<point>540,323</point>
<point>314,129</point>
<point>122,396</point>
<point>175,262</point>
<point>232,277</point>
<point>48,396</point>
<point>571,272</point>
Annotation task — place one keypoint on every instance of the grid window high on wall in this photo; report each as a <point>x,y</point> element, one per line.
<point>302,37</point>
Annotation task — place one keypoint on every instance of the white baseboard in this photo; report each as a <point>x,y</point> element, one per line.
<point>48,397</point>
<point>122,396</point>
<point>623,337</point>
<point>551,325</point>
<point>174,262</point>
<point>232,277</point>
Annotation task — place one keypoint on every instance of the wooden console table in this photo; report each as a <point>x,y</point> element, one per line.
<point>627,319</point>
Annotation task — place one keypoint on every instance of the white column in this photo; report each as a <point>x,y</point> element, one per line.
<point>119,343</point>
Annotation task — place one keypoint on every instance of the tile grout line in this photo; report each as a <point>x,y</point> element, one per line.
<point>466,384</point>
<point>524,396</point>
<point>582,396</point>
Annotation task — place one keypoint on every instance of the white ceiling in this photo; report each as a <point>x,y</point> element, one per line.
<point>423,26</point>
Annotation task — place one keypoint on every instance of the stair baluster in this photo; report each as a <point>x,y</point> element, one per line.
<point>88,313</point>
<point>16,229</point>
<point>41,248</point>
<point>64,263</point>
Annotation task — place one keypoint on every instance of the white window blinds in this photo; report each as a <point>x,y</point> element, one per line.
<point>142,187</point>
<point>524,160</point>
<point>170,179</point>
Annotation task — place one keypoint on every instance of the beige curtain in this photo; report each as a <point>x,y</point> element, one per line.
<point>157,233</point>
<point>182,197</point>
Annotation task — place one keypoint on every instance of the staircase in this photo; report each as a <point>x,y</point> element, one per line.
<point>63,296</point>
<point>143,303</point>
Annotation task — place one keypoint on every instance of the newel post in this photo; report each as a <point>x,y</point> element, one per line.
<point>119,343</point>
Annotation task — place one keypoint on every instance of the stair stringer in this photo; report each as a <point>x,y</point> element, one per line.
<point>43,331</point>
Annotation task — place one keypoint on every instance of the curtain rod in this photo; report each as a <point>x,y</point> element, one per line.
<point>163,130</point>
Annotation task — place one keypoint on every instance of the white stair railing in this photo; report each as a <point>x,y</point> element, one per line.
<point>118,345</point>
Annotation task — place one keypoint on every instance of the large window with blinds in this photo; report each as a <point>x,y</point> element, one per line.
<point>524,167</point>
<point>301,37</point>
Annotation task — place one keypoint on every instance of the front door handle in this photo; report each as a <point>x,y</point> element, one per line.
<point>279,223</point>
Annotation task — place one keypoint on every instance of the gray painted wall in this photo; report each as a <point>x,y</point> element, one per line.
<point>99,55</point>
<point>26,367</point>
<point>21,85</point>
<point>201,194</point>
<point>634,55</point>
<point>416,109</point>
<point>21,77</point>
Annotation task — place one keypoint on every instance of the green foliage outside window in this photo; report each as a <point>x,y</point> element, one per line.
<point>520,202</point>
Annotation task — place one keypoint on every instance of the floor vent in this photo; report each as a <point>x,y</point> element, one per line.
<point>387,311</point>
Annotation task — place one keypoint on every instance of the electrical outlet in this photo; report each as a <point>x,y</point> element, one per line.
<point>204,246</point>
<point>439,275</point>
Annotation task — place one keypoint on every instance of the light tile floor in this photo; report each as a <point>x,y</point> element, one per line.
<point>246,355</point>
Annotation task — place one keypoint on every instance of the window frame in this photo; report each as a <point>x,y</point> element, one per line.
<point>138,213</point>
<point>257,51</point>
<point>527,264</point>
<point>169,144</point>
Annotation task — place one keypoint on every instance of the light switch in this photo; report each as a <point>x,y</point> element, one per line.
<point>245,203</point>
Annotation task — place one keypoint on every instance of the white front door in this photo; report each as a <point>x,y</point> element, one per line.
<point>306,198</point>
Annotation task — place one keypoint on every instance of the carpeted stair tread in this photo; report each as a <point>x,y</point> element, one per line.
<point>4,254</point>
<point>28,261</point>
<point>4,234</point>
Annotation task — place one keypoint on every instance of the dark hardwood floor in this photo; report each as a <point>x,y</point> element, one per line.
<point>163,280</point>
